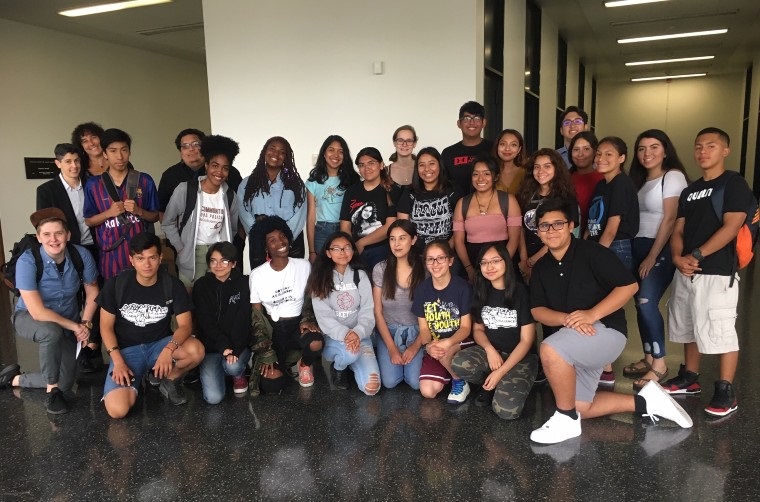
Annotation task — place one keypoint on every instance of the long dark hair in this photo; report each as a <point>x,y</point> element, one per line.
<point>348,176</point>
<point>391,263</point>
<point>482,286</point>
<point>588,136</point>
<point>560,186</point>
<point>620,147</point>
<point>443,184</point>
<point>638,172</point>
<point>258,182</point>
<point>522,155</point>
<point>321,283</point>
<point>374,153</point>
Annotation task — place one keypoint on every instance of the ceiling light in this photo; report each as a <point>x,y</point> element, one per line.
<point>676,60</point>
<point>668,77</point>
<point>672,35</point>
<point>109,7</point>
<point>625,3</point>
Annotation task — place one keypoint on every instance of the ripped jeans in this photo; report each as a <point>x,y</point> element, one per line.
<point>651,290</point>
<point>363,363</point>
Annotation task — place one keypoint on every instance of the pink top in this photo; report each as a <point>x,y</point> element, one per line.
<point>486,227</point>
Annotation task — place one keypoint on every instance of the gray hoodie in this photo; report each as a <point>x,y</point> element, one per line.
<point>348,307</point>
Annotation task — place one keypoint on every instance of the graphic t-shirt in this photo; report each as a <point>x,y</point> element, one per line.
<point>616,198</point>
<point>530,225</point>
<point>442,309</point>
<point>368,209</point>
<point>457,159</point>
<point>328,198</point>
<point>432,212</point>
<point>503,324</point>
<point>211,218</point>
<point>282,292</point>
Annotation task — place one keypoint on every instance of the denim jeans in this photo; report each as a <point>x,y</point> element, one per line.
<point>213,368</point>
<point>363,363</point>
<point>651,290</point>
<point>622,249</point>
<point>375,254</point>
<point>322,230</point>
<point>393,374</point>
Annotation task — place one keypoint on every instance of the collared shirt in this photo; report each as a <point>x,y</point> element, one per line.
<point>565,155</point>
<point>278,202</point>
<point>76,196</point>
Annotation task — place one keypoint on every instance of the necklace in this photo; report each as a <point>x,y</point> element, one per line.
<point>340,278</point>
<point>480,206</point>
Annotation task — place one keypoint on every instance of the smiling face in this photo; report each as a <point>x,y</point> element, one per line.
<point>91,144</point>
<point>608,160</point>
<point>334,156</point>
<point>340,251</point>
<point>217,170</point>
<point>277,244</point>
<point>220,266</point>
<point>650,153</point>
<point>190,151</point>
<point>438,263</point>
<point>274,155</point>
<point>543,170</point>
<point>493,267</point>
<point>404,143</point>
<point>401,243</point>
<point>556,240</point>
<point>508,147</point>
<point>471,125</point>
<point>710,151</point>
<point>69,165</point>
<point>582,154</point>
<point>429,170</point>
<point>482,177</point>
<point>571,125</point>
<point>53,237</point>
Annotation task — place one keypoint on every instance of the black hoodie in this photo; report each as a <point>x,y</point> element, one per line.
<point>223,312</point>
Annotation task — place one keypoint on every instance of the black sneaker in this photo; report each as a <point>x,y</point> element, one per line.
<point>90,360</point>
<point>485,397</point>
<point>192,376</point>
<point>685,383</point>
<point>724,400</point>
<point>173,391</point>
<point>56,403</point>
<point>153,380</point>
<point>7,375</point>
<point>339,378</point>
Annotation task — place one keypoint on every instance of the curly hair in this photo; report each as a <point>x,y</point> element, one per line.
<point>219,145</point>
<point>321,283</point>
<point>264,227</point>
<point>348,176</point>
<point>522,155</point>
<point>258,181</point>
<point>76,140</point>
<point>391,263</point>
<point>638,172</point>
<point>561,185</point>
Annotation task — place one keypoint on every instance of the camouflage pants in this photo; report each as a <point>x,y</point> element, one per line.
<point>471,364</point>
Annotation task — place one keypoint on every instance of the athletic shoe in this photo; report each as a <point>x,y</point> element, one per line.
<point>607,379</point>
<point>8,374</point>
<point>484,398</point>
<point>339,377</point>
<point>192,376</point>
<point>153,380</point>
<point>558,428</point>
<point>90,360</point>
<point>686,382</point>
<point>459,391</point>
<point>660,404</point>
<point>305,376</point>
<point>56,403</point>
<point>724,400</point>
<point>173,391</point>
<point>239,385</point>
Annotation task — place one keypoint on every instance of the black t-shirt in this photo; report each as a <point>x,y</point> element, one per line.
<point>580,280</point>
<point>457,160</point>
<point>432,212</point>
<point>503,324</point>
<point>367,210</point>
<point>530,227</point>
<point>442,309</point>
<point>616,198</point>
<point>143,316</point>
<point>701,221</point>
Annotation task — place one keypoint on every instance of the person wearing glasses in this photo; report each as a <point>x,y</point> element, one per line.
<point>341,295</point>
<point>504,360</point>
<point>401,169</point>
<point>442,306</point>
<point>457,158</point>
<point>223,317</point>
<point>572,121</point>
<point>190,165</point>
<point>369,207</point>
<point>578,291</point>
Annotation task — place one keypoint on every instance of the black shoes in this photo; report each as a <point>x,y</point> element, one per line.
<point>56,403</point>
<point>90,360</point>
<point>687,383</point>
<point>724,400</point>
<point>7,375</point>
<point>339,378</point>
<point>485,398</point>
<point>173,391</point>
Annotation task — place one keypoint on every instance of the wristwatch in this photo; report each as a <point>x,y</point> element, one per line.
<point>697,253</point>
<point>86,324</point>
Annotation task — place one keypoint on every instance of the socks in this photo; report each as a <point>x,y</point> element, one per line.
<point>570,413</point>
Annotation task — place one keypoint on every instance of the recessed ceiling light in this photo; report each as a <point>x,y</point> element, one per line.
<point>672,35</point>
<point>675,60</point>
<point>109,7</point>
<point>668,77</point>
<point>625,3</point>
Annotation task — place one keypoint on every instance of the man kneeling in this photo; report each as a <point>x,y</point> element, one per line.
<point>578,290</point>
<point>135,322</point>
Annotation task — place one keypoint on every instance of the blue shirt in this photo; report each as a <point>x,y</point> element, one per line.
<point>328,198</point>
<point>278,202</point>
<point>58,292</point>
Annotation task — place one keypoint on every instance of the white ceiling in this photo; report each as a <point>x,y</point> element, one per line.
<point>591,30</point>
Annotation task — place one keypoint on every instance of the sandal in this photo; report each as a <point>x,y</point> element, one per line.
<point>641,382</point>
<point>636,369</point>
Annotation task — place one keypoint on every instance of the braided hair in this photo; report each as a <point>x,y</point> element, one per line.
<point>258,181</point>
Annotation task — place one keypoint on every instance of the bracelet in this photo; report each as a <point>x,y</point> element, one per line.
<point>312,252</point>
<point>171,350</point>
<point>115,347</point>
<point>176,345</point>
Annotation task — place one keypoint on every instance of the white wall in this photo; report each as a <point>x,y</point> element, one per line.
<point>303,70</point>
<point>680,108</point>
<point>52,81</point>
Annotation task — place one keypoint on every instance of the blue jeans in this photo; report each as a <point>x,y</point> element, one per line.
<point>375,254</point>
<point>393,374</point>
<point>138,358</point>
<point>363,363</point>
<point>213,368</point>
<point>651,290</point>
<point>622,249</point>
<point>322,230</point>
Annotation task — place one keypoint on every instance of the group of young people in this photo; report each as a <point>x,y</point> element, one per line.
<point>432,270</point>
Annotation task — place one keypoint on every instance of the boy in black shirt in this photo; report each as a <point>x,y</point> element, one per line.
<point>457,158</point>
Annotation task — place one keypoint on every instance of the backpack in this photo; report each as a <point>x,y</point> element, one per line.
<point>746,240</point>
<point>29,241</point>
<point>192,196</point>
<point>133,181</point>
<point>130,274</point>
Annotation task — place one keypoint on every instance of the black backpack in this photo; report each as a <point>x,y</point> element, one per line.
<point>192,196</point>
<point>29,241</point>
<point>130,274</point>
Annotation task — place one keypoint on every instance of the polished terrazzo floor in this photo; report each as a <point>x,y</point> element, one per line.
<point>327,444</point>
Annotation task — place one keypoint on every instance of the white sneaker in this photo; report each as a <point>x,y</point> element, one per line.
<point>557,429</point>
<point>460,389</point>
<point>660,403</point>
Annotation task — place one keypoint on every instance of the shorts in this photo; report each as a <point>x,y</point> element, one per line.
<point>587,354</point>
<point>434,370</point>
<point>139,359</point>
<point>702,309</point>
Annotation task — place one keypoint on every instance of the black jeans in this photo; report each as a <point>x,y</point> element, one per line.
<point>286,335</point>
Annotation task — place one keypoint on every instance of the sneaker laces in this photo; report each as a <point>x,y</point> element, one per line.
<point>457,387</point>
<point>652,417</point>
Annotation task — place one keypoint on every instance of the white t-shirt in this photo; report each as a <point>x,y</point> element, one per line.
<point>281,292</point>
<point>210,218</point>
<point>651,196</point>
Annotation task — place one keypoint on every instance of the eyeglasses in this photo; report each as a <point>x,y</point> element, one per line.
<point>436,259</point>
<point>338,249</point>
<point>190,146</point>
<point>555,225</point>
<point>471,118</point>
<point>578,121</point>
<point>371,164</point>
<point>402,141</point>
<point>494,262</point>
<point>223,262</point>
